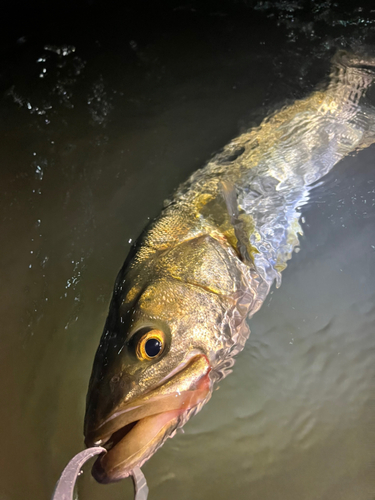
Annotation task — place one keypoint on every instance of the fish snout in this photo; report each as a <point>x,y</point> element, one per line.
<point>102,400</point>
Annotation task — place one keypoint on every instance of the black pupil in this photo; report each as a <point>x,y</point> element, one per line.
<point>152,347</point>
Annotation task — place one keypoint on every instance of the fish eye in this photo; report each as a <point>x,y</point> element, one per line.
<point>151,345</point>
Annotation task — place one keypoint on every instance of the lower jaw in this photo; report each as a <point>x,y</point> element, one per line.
<point>136,447</point>
<point>150,432</point>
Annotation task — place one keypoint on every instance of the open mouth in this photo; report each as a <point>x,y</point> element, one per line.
<point>132,445</point>
<point>133,433</point>
<point>119,435</point>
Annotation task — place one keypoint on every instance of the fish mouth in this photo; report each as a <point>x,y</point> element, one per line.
<point>134,431</point>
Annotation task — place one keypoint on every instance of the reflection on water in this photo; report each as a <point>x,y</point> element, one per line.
<point>91,149</point>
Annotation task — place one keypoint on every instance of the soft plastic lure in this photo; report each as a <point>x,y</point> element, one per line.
<point>65,485</point>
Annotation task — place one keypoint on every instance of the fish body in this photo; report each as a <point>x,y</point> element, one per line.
<point>179,310</point>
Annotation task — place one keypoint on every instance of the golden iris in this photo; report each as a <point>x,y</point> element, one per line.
<point>151,345</point>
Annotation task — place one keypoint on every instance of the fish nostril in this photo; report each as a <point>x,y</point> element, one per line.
<point>113,383</point>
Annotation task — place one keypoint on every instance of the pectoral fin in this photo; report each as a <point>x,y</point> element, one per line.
<point>241,226</point>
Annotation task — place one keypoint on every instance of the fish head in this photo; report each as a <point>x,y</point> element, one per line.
<point>153,369</point>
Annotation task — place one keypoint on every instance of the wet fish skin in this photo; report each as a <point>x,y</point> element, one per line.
<point>194,291</point>
<point>202,267</point>
<point>187,289</point>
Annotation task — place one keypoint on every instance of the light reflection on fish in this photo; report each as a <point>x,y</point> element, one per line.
<point>180,304</point>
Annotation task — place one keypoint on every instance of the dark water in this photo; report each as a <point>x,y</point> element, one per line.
<point>104,111</point>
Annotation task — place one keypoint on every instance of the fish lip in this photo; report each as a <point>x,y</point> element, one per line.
<point>96,438</point>
<point>105,475</point>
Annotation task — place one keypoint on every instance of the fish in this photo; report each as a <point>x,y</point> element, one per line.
<point>182,300</point>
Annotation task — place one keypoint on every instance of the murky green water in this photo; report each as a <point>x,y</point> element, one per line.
<point>120,116</point>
